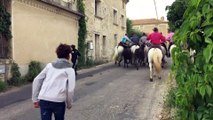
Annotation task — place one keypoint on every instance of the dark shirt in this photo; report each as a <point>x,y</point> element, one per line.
<point>75,53</point>
<point>135,39</point>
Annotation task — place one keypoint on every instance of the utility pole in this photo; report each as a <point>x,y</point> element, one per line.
<point>156,9</point>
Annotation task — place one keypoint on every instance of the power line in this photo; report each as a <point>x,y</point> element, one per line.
<point>156,11</point>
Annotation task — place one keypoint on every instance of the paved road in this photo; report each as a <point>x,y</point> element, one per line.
<point>112,93</point>
<point>23,93</point>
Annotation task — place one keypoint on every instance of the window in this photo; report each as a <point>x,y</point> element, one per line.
<point>97,8</point>
<point>97,46</point>
<point>104,46</point>
<point>123,4</point>
<point>122,21</point>
<point>115,14</point>
<point>115,39</point>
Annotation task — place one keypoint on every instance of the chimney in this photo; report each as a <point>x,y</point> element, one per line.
<point>162,18</point>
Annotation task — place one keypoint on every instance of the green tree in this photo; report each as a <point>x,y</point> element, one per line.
<point>129,27</point>
<point>194,96</point>
<point>175,13</point>
<point>130,31</point>
<point>82,32</point>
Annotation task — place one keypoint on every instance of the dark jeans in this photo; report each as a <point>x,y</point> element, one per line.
<point>74,66</point>
<point>48,108</point>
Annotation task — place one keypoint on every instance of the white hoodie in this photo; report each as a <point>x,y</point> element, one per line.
<point>55,83</point>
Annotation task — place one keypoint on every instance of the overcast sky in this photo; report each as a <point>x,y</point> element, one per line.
<point>141,9</point>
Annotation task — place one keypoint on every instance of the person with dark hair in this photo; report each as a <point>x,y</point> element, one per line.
<point>135,39</point>
<point>53,88</point>
<point>156,38</point>
<point>143,39</point>
<point>124,40</point>
<point>75,54</point>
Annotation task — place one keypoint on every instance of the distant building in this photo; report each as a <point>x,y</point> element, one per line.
<point>106,24</point>
<point>146,25</point>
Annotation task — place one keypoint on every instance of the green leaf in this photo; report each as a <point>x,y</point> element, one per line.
<point>205,8</point>
<point>202,90</point>
<point>208,40</point>
<point>209,90</point>
<point>195,2</point>
<point>194,22</point>
<point>208,53</point>
<point>208,31</point>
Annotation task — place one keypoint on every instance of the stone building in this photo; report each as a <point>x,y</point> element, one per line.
<point>146,25</point>
<point>38,27</point>
<point>106,24</point>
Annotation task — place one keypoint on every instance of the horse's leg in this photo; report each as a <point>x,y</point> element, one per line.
<point>119,62</point>
<point>115,61</point>
<point>136,63</point>
<point>124,62</point>
<point>159,75</point>
<point>151,70</point>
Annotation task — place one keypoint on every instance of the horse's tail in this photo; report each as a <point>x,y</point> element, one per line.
<point>115,53</point>
<point>157,62</point>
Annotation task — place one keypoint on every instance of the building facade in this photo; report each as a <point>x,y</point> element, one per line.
<point>147,25</point>
<point>106,24</point>
<point>38,27</point>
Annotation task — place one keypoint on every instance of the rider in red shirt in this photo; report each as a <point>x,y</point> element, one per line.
<point>156,39</point>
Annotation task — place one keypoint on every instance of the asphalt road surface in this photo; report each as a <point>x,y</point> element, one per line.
<point>106,92</point>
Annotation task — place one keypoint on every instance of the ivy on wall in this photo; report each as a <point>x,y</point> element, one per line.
<point>82,32</point>
<point>5,22</point>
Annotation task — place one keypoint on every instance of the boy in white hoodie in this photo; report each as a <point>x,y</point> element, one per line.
<point>53,88</point>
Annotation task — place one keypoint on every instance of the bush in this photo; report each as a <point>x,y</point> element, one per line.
<point>33,71</point>
<point>194,95</point>
<point>16,75</point>
<point>170,98</point>
<point>3,86</point>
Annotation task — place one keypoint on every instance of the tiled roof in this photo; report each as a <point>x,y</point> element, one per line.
<point>147,21</point>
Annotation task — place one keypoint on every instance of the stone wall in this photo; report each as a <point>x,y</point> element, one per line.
<point>102,25</point>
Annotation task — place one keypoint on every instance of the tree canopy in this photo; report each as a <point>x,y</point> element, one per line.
<point>175,13</point>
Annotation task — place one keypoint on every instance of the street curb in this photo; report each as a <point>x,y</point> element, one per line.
<point>24,92</point>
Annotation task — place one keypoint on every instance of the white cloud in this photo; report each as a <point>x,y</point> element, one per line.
<point>141,9</point>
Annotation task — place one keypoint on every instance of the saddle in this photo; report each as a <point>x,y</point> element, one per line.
<point>155,46</point>
<point>124,45</point>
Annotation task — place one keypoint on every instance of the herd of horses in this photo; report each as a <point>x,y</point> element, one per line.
<point>143,54</point>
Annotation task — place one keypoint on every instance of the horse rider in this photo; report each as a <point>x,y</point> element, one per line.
<point>124,40</point>
<point>156,39</point>
<point>135,39</point>
<point>169,38</point>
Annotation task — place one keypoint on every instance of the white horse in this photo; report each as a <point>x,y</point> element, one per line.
<point>171,48</point>
<point>155,56</point>
<point>117,57</point>
<point>133,48</point>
